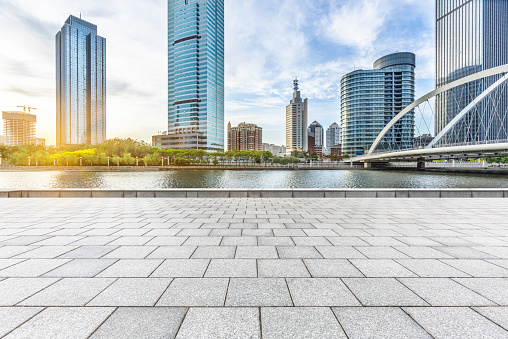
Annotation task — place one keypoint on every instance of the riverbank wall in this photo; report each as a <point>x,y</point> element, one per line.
<point>258,193</point>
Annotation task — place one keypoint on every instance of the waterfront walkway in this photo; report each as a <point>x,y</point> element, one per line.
<point>246,268</point>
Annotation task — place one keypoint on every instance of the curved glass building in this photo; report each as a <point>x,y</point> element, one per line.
<point>196,74</point>
<point>471,36</point>
<point>370,99</point>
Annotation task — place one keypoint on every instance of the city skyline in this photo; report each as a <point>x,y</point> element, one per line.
<point>257,71</point>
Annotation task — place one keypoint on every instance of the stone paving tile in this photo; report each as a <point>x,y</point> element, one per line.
<point>378,322</point>
<point>173,252</point>
<point>283,322</point>
<point>495,289</point>
<point>64,323</point>
<point>311,241</point>
<point>298,252</point>
<point>81,268</point>
<point>380,268</point>
<point>422,252</point>
<point>214,252</point>
<point>383,292</point>
<point>14,290</point>
<point>95,241</point>
<point>195,292</point>
<point>46,252</point>
<point>182,268</point>
<point>340,252</point>
<point>431,268</point>
<point>130,252</point>
<point>232,268</point>
<point>4,263</point>
<point>258,292</point>
<point>255,252</point>
<point>455,323</point>
<point>131,241</point>
<point>239,241</point>
<point>12,317</point>
<point>11,251</point>
<point>381,252</point>
<point>476,268</point>
<point>331,268</point>
<point>141,323</point>
<point>465,253</point>
<point>69,292</point>
<point>32,267</point>
<point>444,292</point>
<point>321,292</point>
<point>498,315</point>
<point>220,323</point>
<point>128,268</point>
<point>132,292</point>
<point>88,252</point>
<point>282,268</point>
<point>275,241</point>
<point>168,241</point>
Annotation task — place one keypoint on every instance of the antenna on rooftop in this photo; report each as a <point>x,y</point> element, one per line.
<point>80,15</point>
<point>295,83</point>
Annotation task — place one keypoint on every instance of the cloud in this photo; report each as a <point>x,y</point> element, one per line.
<point>356,23</point>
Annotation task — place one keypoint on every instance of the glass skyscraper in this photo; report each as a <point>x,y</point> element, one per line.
<point>471,36</point>
<point>196,74</point>
<point>80,84</point>
<point>370,99</point>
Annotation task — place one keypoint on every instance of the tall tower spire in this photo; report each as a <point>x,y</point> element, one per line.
<point>295,84</point>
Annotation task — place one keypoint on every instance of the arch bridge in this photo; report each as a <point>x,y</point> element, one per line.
<point>470,121</point>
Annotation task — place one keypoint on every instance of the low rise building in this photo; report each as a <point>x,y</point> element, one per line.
<point>274,149</point>
<point>245,137</point>
<point>19,128</point>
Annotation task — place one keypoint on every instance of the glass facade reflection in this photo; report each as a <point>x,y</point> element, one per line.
<point>196,74</point>
<point>80,84</point>
<point>471,36</point>
<point>370,99</point>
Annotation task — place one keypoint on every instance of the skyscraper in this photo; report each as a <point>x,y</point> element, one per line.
<point>316,129</point>
<point>80,84</point>
<point>471,36</point>
<point>370,99</point>
<point>333,136</point>
<point>296,122</point>
<point>19,128</point>
<point>196,74</point>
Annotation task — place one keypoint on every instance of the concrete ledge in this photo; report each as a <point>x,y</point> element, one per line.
<point>259,193</point>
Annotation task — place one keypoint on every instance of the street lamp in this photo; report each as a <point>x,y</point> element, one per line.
<point>54,161</point>
<point>80,161</point>
<point>108,162</point>
<point>28,161</point>
<point>137,162</point>
<point>162,161</point>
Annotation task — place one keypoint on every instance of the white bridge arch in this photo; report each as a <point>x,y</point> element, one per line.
<point>500,70</point>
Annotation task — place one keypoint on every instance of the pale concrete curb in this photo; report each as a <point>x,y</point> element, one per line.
<point>258,193</point>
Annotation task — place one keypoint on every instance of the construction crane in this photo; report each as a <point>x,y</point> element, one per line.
<point>25,108</point>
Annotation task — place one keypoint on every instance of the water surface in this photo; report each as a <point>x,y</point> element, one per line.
<point>247,179</point>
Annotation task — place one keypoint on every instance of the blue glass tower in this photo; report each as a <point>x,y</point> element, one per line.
<point>370,99</point>
<point>80,84</point>
<point>196,74</point>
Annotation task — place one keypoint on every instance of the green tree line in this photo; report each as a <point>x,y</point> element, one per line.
<point>129,152</point>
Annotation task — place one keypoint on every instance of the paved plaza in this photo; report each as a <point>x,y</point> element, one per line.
<point>251,268</point>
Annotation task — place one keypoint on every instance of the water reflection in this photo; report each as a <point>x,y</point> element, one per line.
<point>247,179</point>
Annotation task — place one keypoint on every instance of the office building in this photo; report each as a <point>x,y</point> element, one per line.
<point>2,140</point>
<point>317,131</point>
<point>245,137</point>
<point>296,122</point>
<point>19,128</point>
<point>423,140</point>
<point>333,137</point>
<point>471,36</point>
<point>80,84</point>
<point>196,74</point>
<point>370,99</point>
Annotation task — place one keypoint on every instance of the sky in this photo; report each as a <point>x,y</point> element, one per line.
<point>268,44</point>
